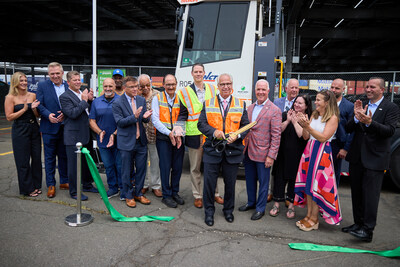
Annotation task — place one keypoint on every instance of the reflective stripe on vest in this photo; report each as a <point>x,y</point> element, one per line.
<point>233,118</point>
<point>190,100</point>
<point>165,115</point>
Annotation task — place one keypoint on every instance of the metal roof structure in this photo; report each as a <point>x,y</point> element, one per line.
<point>326,35</point>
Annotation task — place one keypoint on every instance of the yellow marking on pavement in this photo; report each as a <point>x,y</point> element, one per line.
<point>8,128</point>
<point>6,153</point>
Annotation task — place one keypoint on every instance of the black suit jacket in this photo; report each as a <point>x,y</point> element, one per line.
<point>76,121</point>
<point>233,152</point>
<point>371,145</point>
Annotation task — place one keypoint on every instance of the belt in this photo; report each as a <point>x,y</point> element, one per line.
<point>26,121</point>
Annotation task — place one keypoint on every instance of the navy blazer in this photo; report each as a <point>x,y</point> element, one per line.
<point>126,122</point>
<point>47,96</point>
<point>76,120</point>
<point>371,145</point>
<point>280,103</point>
<point>346,109</point>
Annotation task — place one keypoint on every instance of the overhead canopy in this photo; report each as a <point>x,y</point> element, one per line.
<point>141,32</point>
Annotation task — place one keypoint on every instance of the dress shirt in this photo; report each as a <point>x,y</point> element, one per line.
<point>257,109</point>
<point>155,116</point>
<point>59,91</point>
<point>201,93</point>
<point>288,104</point>
<point>130,101</point>
<point>228,100</point>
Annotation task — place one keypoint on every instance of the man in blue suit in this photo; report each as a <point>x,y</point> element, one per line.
<point>75,106</point>
<point>51,127</point>
<point>341,140</point>
<point>129,112</point>
<point>292,90</point>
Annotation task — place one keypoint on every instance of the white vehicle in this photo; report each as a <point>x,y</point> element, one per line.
<point>223,36</point>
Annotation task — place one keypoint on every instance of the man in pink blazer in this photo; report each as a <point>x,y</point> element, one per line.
<point>261,148</point>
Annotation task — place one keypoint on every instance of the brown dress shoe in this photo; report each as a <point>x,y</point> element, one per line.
<point>219,200</point>
<point>157,192</point>
<point>64,186</point>
<point>198,203</point>
<point>51,191</point>
<point>270,196</point>
<point>130,203</point>
<point>143,200</point>
<point>144,190</point>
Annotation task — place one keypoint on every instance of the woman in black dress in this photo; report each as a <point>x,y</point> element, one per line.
<point>20,107</point>
<point>290,150</point>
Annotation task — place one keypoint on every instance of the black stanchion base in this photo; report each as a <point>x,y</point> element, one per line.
<point>72,220</point>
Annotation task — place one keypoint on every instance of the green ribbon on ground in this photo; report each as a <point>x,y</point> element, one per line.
<point>114,213</point>
<point>314,247</point>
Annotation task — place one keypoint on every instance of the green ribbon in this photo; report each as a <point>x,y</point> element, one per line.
<point>114,213</point>
<point>314,247</point>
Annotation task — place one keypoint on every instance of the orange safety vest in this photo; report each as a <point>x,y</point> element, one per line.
<point>165,115</point>
<point>232,119</point>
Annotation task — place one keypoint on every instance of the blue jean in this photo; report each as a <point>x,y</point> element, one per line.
<point>54,147</point>
<point>112,162</point>
<point>256,171</point>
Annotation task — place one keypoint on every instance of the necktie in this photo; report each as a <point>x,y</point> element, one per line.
<point>225,104</point>
<point>137,123</point>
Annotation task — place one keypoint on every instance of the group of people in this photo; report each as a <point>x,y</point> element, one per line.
<point>142,134</point>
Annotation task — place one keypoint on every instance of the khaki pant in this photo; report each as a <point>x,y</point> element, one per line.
<point>195,157</point>
<point>153,180</point>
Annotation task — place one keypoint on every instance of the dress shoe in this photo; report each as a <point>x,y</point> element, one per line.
<point>246,207</point>
<point>229,217</point>
<point>257,215</point>
<point>219,200</point>
<point>198,203</point>
<point>363,234</point>
<point>83,197</point>
<point>91,189</point>
<point>209,220</point>
<point>178,199</point>
<point>130,203</point>
<point>144,190</point>
<point>51,191</point>
<point>270,196</point>
<point>353,227</point>
<point>64,186</point>
<point>143,200</point>
<point>169,202</point>
<point>157,192</point>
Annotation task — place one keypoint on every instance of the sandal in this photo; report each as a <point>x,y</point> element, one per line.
<point>302,221</point>
<point>307,226</point>
<point>274,211</point>
<point>290,214</point>
<point>37,191</point>
<point>33,194</point>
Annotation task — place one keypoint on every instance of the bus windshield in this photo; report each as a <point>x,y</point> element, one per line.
<point>214,32</point>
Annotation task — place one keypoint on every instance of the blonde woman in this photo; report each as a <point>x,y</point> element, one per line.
<point>20,107</point>
<point>316,182</point>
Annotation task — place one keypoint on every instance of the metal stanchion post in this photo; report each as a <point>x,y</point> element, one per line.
<point>78,219</point>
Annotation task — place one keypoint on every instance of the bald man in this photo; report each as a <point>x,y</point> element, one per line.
<point>102,122</point>
<point>341,140</point>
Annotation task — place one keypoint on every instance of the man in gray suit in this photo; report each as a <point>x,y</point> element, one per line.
<point>292,90</point>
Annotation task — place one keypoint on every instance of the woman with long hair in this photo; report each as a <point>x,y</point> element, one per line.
<point>290,150</point>
<point>20,107</point>
<point>315,182</point>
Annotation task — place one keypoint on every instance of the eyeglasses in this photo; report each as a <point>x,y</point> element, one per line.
<point>170,84</point>
<point>145,85</point>
<point>225,84</point>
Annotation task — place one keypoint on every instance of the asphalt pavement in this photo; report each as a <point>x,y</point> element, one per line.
<point>33,232</point>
